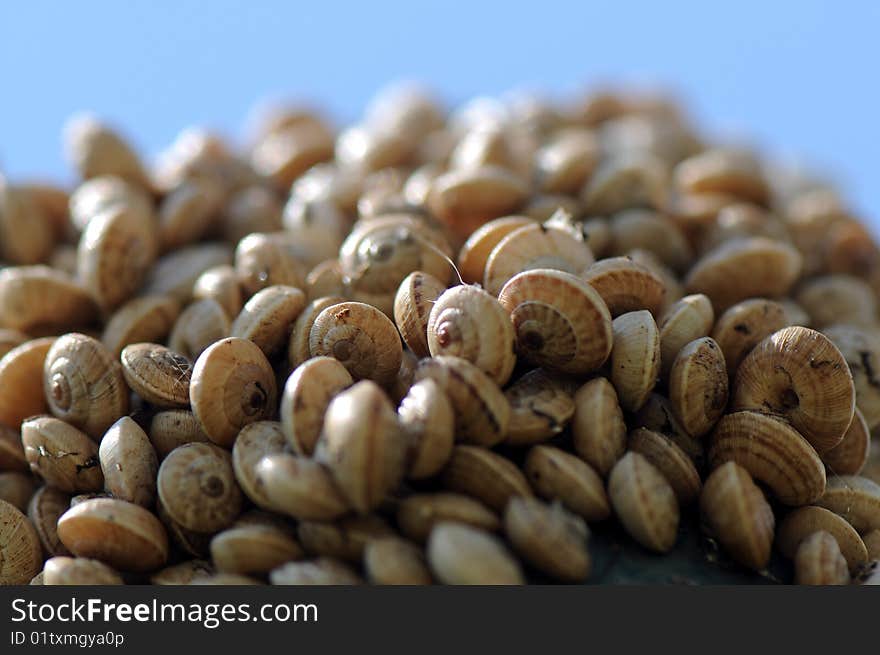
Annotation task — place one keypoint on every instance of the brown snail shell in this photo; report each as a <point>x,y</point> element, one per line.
<point>736,513</point>
<point>468,322</point>
<point>17,488</point>
<point>855,498</point>
<point>698,386</point>
<point>326,279</point>
<point>635,358</point>
<point>559,476</point>
<point>804,521</point>
<point>743,326</point>
<point>267,318</point>
<point>564,163</point>
<point>726,171</point>
<point>818,561</point>
<point>362,445</point>
<point>35,298</point>
<point>541,406</point>
<point>361,337</point>
<point>97,194</point>
<point>253,443</point>
<point>482,413</point>
<point>460,554</point>
<point>44,509</point>
<point>475,252</point>
<point>861,348</point>
<point>535,246</point>
<point>79,571</point>
<point>188,211</point>
<point>395,561</point>
<point>427,419</point>
<point>120,534</point>
<point>668,458</point>
<point>172,428</point>
<point>94,148</point>
<point>26,231</point>
<point>263,260</point>
<point>851,454</point>
<point>184,573</point>
<point>299,487</point>
<point>158,375</point>
<point>799,374</point>
<point>298,347</point>
<point>147,319</point>
<point>84,384</point>
<point>345,539</point>
<point>626,286</point>
<point>687,319</point>
<point>253,549</point>
<point>624,180</point>
<point>175,273</point>
<point>560,322</point>
<point>202,323</point>
<point>62,455</point>
<point>772,452</point>
<point>220,283</point>
<point>22,555</point>
<point>129,463</point>
<point>839,298</point>
<point>417,514</point>
<point>415,297</point>
<point>598,429</point>
<point>232,385</point>
<point>642,229</point>
<point>198,489</point>
<point>22,382</point>
<point>487,476</point>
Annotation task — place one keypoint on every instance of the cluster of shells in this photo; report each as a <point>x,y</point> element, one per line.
<point>433,348</point>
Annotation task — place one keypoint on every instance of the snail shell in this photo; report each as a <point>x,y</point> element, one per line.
<point>9,339</point>
<point>263,260</point>
<point>463,555</point>
<point>559,476</point>
<point>415,297</point>
<point>11,451</point>
<point>626,286</point>
<point>188,211</point>
<point>861,348</point>
<point>535,246</point>
<point>475,252</point>
<point>20,545</point>
<point>345,539</point>
<point>232,385</point>
<point>299,487</point>
<point>147,319</point>
<point>642,229</point>
<point>94,148</point>
<point>267,318</point>
<point>175,273</point>
<point>62,455</point>
<point>172,428</point>
<point>79,571</point>
<point>855,498</point>
<point>361,337</point>
<point>17,488</point>
<point>698,386</point>
<point>560,322</point>
<point>362,445</point>
<point>320,571</point>
<point>687,319</point>
<point>184,573</point>
<point>253,549</point>
<point>635,358</point>
<point>838,298</point>
<point>482,413</point>
<point>307,393</point>
<point>818,561</point>
<point>97,194</point>
<point>202,323</point>
<point>326,279</point>
<point>737,514</point>
<point>298,347</point>
<point>485,475</point>
<point>851,454</point>
<point>44,509</point>
<point>197,487</point>
<point>120,534</point>
<point>721,170</point>
<point>799,374</point>
<point>598,429</point>
<point>36,298</point>
<point>253,443</point>
<point>470,323</point>
<point>254,208</point>
<point>541,406</point>
<point>395,561</point>
<point>804,521</point>
<point>670,460</point>
<point>567,161</point>
<point>129,463</point>
<point>158,375</point>
<point>427,419</point>
<point>84,384</point>
<point>624,180</point>
<point>22,382</point>
<point>743,326</point>
<point>418,514</point>
<point>220,283</point>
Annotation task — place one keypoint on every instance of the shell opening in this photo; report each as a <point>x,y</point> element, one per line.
<point>212,486</point>
<point>256,398</point>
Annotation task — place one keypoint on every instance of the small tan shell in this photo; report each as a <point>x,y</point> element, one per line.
<point>642,229</point>
<point>657,415</point>
<point>202,323</point>
<point>670,460</point>
<point>188,211</point>
<point>743,326</point>
<point>346,539</point>
<point>362,444</point>
<point>644,502</point>
<point>625,180</point>
<point>818,561</point>
<point>220,283</point>
<point>361,337</point>
<point>415,297</point>
<point>307,393</point>
<point>541,406</point>
<point>687,319</point>
<point>468,322</point>
<point>760,266</point>
<point>20,545</point>
<point>320,571</point>
<point>286,153</point>
<point>772,452</point>
<point>298,347</point>
<point>147,319</point>
<point>861,349</point>
<point>120,534</point>
<point>198,489</point>
<point>838,298</point>
<point>267,318</point>
<point>475,252</point>
<point>804,521</point>
<point>17,488</point>
<point>485,475</point>
<point>561,477</point>
<point>736,513</point>
<point>253,443</point>
<point>395,561</point>
<point>97,194</point>
<point>326,279</point>
<point>560,322</point>
<point>44,509</point>
<point>549,537</point>
<point>427,419</point>
<point>625,285</point>
<point>232,385</point>
<point>417,514</point>
<point>26,230</point>
<point>723,170</point>
<point>22,382</point>
<point>84,384</point>
<point>466,199</point>
<point>94,148</point>
<point>482,413</point>
<point>799,374</point>
<point>62,455</point>
<point>299,487</point>
<point>158,375</point>
<point>635,358</point>
<point>79,571</point>
<point>535,246</point>
<point>34,298</point>
<point>698,386</point>
<point>263,260</point>
<point>175,273</point>
<point>855,498</point>
<point>319,227</point>
<point>195,544</point>
<point>115,253</point>
<point>851,454</point>
<point>253,549</point>
<point>564,163</point>
<point>460,554</point>
<point>598,429</point>
<point>172,428</point>
<point>129,463</point>
<point>184,573</point>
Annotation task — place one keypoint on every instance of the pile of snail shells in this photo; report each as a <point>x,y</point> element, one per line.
<point>433,347</point>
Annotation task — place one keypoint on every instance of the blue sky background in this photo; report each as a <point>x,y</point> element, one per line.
<point>800,77</point>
